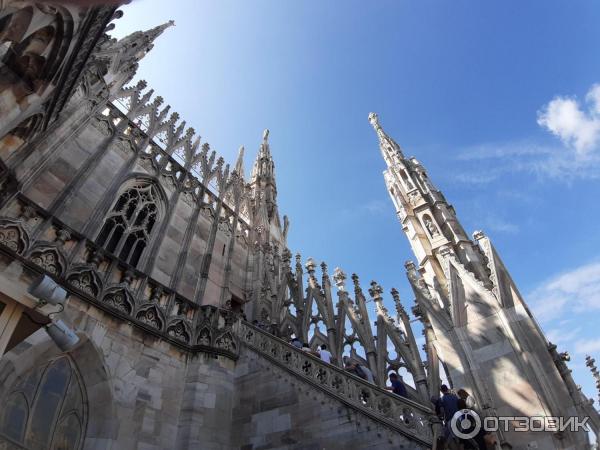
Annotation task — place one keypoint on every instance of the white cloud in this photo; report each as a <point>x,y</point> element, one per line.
<point>562,335</point>
<point>576,123</point>
<point>577,290</point>
<point>576,127</point>
<point>587,346</point>
<point>501,226</point>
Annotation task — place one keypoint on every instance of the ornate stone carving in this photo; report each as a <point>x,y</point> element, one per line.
<point>49,259</point>
<point>151,316</point>
<point>13,236</point>
<point>204,337</point>
<point>120,300</point>
<point>179,330</point>
<point>86,280</point>
<point>226,342</point>
<point>431,227</point>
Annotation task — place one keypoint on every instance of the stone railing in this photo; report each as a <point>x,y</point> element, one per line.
<point>404,416</point>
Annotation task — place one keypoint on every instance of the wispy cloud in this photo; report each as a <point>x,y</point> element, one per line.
<point>489,162</point>
<point>577,127</point>
<point>514,150</point>
<point>577,290</point>
<point>587,346</point>
<point>500,226</point>
<point>563,334</point>
<point>372,207</point>
<point>376,206</point>
<point>568,306</point>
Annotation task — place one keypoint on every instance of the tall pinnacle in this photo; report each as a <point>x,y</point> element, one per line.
<point>143,41</point>
<point>264,167</point>
<point>264,148</point>
<point>239,164</point>
<point>388,146</point>
<point>263,179</point>
<point>122,56</point>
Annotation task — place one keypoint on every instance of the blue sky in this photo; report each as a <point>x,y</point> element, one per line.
<point>496,99</point>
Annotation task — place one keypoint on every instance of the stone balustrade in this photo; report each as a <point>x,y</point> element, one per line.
<point>403,415</point>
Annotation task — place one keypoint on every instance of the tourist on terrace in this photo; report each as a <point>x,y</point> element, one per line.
<point>354,368</point>
<point>296,342</point>
<point>324,354</point>
<point>397,385</point>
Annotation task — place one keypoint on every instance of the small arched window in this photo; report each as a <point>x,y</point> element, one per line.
<point>406,180</point>
<point>128,226</point>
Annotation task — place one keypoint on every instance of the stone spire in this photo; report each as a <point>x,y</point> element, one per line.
<point>239,164</point>
<point>389,148</point>
<point>263,177</point>
<point>139,43</point>
<point>428,220</point>
<point>463,291</point>
<point>122,56</point>
<point>264,167</point>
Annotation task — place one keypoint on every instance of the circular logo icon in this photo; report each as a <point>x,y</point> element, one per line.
<point>465,424</point>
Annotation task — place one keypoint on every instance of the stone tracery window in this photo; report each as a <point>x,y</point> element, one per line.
<point>128,226</point>
<point>46,408</point>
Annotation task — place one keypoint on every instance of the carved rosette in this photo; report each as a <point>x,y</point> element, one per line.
<point>151,316</point>
<point>86,280</point>
<point>49,259</point>
<point>120,300</point>
<point>13,236</point>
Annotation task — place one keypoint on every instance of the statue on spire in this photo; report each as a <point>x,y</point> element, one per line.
<point>389,148</point>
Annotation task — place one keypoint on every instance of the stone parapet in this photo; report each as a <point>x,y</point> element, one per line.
<point>401,415</point>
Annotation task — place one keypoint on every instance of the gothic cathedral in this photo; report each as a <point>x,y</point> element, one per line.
<point>148,297</point>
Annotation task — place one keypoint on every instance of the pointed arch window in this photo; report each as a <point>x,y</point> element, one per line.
<point>128,227</point>
<point>46,408</point>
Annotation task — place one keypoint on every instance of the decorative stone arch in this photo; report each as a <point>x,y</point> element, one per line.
<point>132,220</point>
<point>180,330</point>
<point>151,315</point>
<point>13,235</point>
<point>49,257</point>
<point>120,299</point>
<point>86,279</point>
<point>31,360</point>
<point>35,41</point>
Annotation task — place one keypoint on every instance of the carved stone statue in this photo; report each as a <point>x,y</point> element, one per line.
<point>433,231</point>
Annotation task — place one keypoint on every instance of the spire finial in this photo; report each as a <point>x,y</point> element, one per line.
<point>374,120</point>
<point>239,164</point>
<point>388,146</point>
<point>340,279</point>
<point>265,135</point>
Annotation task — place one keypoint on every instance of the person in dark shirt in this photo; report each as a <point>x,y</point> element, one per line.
<point>397,385</point>
<point>449,403</point>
